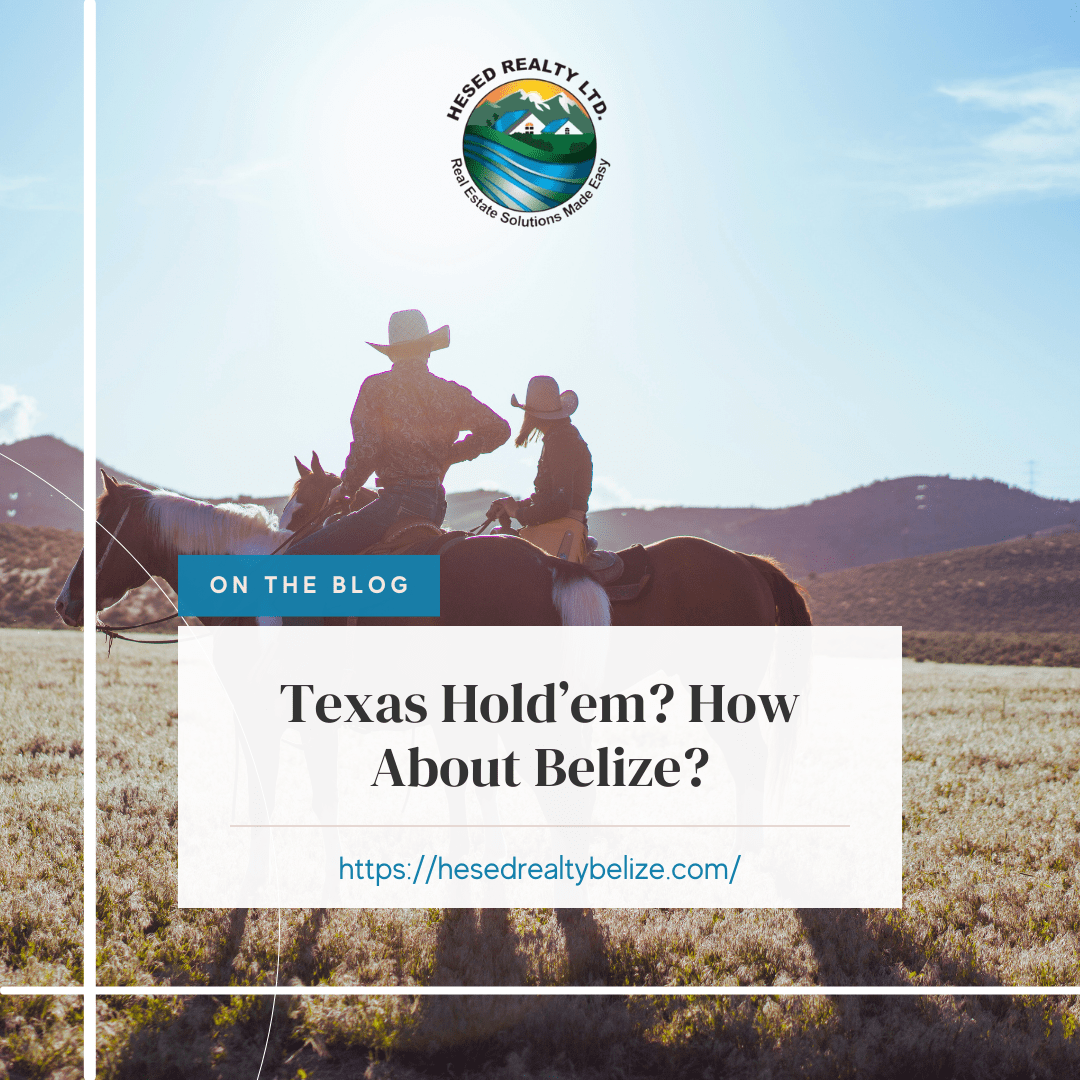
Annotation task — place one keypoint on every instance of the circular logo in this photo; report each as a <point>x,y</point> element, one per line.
<point>529,145</point>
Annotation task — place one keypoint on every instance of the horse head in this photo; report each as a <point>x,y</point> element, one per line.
<point>122,551</point>
<point>309,494</point>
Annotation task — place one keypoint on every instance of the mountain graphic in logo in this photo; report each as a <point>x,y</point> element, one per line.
<point>529,145</point>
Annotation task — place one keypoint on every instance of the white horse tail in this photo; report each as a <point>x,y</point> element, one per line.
<point>579,598</point>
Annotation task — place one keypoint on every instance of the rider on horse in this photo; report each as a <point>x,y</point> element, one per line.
<point>405,425</point>
<point>554,515</point>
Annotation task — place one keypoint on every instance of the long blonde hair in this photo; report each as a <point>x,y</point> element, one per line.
<point>530,429</point>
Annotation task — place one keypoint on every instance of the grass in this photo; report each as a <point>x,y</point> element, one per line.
<point>991,826</point>
<point>991,832</point>
<point>41,1038</point>
<point>560,1038</point>
<point>41,858</point>
<point>992,893</point>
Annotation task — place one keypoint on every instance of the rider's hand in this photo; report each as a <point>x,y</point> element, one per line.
<point>502,506</point>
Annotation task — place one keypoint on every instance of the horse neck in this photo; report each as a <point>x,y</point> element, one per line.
<point>180,526</point>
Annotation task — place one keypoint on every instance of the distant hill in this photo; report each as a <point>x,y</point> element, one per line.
<point>1030,584</point>
<point>886,520</point>
<point>890,519</point>
<point>25,500</point>
<point>34,563</point>
<point>898,523</point>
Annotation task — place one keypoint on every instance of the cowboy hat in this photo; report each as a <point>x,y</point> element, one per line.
<point>544,401</point>
<point>409,337</point>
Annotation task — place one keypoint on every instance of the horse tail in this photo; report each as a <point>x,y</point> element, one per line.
<point>788,596</point>
<point>579,598</point>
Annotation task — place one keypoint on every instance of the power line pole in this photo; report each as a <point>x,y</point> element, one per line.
<point>1031,476</point>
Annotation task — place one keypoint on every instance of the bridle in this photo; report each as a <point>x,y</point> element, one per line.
<point>112,538</point>
<point>111,632</point>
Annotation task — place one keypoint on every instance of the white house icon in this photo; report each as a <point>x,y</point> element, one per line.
<point>529,124</point>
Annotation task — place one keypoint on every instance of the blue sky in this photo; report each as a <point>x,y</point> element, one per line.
<point>40,219</point>
<point>836,242</point>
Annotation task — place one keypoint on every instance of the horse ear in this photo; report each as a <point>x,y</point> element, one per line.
<point>110,482</point>
<point>303,469</point>
<point>316,465</point>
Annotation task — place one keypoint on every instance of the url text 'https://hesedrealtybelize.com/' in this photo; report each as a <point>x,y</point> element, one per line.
<point>629,869</point>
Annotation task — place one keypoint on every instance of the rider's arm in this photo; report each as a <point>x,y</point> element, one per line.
<point>367,431</point>
<point>488,430</point>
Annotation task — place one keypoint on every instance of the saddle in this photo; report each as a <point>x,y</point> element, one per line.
<point>624,574</point>
<point>411,535</point>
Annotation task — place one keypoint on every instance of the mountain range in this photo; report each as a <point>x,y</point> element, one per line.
<point>556,107</point>
<point>886,520</point>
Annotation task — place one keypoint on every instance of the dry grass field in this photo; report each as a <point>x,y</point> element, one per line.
<point>41,1038</point>
<point>40,808</point>
<point>41,864</point>
<point>587,1038</point>
<point>992,896</point>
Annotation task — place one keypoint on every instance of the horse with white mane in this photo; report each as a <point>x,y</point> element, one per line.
<point>485,580</point>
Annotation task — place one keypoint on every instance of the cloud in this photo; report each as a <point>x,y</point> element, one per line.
<point>1038,154</point>
<point>608,493</point>
<point>247,183</point>
<point>18,414</point>
<point>21,192</point>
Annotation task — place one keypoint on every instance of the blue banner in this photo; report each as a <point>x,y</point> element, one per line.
<point>315,585</point>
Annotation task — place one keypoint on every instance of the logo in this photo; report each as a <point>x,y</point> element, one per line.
<point>529,153</point>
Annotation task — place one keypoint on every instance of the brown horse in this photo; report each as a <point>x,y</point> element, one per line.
<point>250,527</point>
<point>697,583</point>
<point>484,580</point>
<point>693,582</point>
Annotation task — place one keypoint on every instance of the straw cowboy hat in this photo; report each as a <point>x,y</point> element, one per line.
<point>409,337</point>
<point>544,401</point>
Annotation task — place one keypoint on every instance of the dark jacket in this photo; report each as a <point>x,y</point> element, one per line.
<point>563,478</point>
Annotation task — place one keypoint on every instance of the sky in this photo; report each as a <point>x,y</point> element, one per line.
<point>41,119</point>
<point>835,242</point>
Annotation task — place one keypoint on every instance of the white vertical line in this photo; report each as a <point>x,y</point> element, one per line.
<point>89,535</point>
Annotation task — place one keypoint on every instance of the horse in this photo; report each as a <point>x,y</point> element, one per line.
<point>307,501</point>
<point>697,583</point>
<point>485,580</point>
<point>693,581</point>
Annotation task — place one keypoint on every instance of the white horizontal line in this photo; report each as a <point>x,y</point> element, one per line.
<point>505,825</point>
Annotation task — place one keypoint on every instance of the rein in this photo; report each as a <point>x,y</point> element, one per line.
<point>111,631</point>
<point>504,522</point>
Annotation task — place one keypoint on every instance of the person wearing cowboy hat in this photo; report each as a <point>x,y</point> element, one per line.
<point>554,515</point>
<point>405,424</point>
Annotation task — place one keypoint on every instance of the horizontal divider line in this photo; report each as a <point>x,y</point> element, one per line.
<point>591,825</point>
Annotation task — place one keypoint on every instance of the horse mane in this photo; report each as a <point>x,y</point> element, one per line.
<point>189,527</point>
